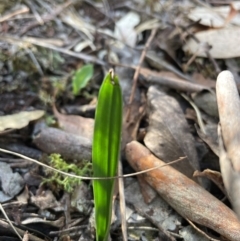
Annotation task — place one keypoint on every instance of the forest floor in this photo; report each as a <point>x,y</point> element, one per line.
<point>167,55</point>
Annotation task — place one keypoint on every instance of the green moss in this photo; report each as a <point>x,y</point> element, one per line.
<point>59,181</point>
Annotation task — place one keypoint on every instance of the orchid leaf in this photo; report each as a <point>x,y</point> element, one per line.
<point>105,152</point>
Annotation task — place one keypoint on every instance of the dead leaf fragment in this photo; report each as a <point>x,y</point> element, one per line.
<point>19,120</point>
<point>11,183</point>
<point>157,211</point>
<point>167,135</point>
<point>215,17</point>
<point>224,42</point>
<point>188,198</point>
<point>124,30</point>
<point>215,176</point>
<point>45,200</point>
<point>74,124</point>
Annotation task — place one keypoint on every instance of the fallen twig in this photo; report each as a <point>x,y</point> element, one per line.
<point>136,74</point>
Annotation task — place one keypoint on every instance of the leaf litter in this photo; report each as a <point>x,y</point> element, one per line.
<point>193,42</point>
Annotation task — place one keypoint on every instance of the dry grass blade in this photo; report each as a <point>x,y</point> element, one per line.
<point>198,113</point>
<point>9,221</point>
<point>13,14</point>
<point>27,41</point>
<point>122,203</point>
<point>88,178</point>
<point>6,226</point>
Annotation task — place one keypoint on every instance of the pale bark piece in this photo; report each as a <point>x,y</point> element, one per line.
<point>74,124</point>
<point>224,42</point>
<point>231,178</point>
<point>168,135</point>
<point>188,198</point>
<point>73,147</point>
<point>229,114</point>
<point>229,136</point>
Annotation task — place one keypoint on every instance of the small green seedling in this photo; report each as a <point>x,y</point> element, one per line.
<point>105,151</point>
<point>81,78</point>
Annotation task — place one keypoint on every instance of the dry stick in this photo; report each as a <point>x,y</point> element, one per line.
<point>9,221</point>
<point>200,231</point>
<point>35,61</point>
<point>35,13</point>
<point>37,42</point>
<point>31,236</point>
<point>122,203</point>
<point>217,69</point>
<point>25,236</point>
<point>88,178</point>
<point>17,12</point>
<point>46,17</point>
<point>198,113</point>
<point>136,74</point>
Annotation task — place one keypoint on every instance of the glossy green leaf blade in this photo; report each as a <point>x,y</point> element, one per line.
<point>81,78</point>
<point>105,153</point>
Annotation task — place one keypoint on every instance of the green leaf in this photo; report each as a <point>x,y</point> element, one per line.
<point>81,78</point>
<point>105,151</point>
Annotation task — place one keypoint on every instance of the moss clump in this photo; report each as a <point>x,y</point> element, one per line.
<point>58,181</point>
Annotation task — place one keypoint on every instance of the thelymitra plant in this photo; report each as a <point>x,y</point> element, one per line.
<point>105,151</point>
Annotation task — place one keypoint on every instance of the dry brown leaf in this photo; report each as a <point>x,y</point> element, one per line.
<point>201,80</point>
<point>215,17</point>
<point>168,135</point>
<point>74,124</point>
<point>19,120</point>
<point>224,42</point>
<point>187,197</point>
<point>215,176</point>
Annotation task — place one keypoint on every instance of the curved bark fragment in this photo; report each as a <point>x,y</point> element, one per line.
<point>187,197</point>
<point>229,135</point>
